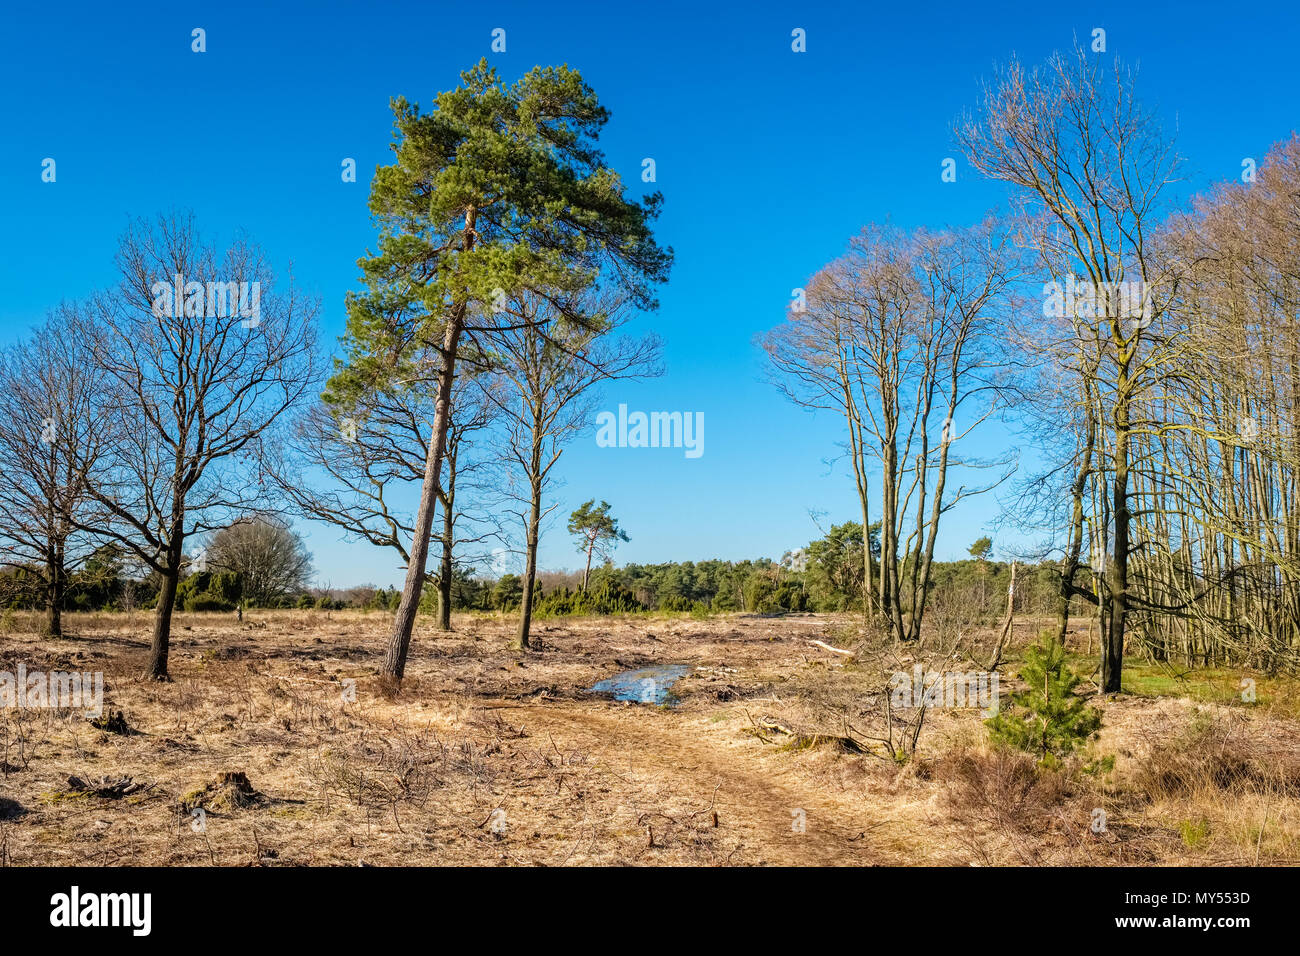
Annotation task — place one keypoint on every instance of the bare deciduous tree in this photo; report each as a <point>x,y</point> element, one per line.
<point>51,438</point>
<point>194,386</point>
<point>1091,166</point>
<point>901,336</point>
<point>550,365</point>
<point>373,457</point>
<point>268,556</point>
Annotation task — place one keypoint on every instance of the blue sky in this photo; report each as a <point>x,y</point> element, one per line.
<point>769,161</point>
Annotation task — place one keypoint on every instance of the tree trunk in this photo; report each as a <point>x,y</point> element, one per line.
<point>399,643</point>
<point>996,659</point>
<point>54,616</point>
<point>55,582</point>
<point>867,569</point>
<point>530,568</point>
<point>1112,663</point>
<point>404,621</point>
<point>162,624</point>
<point>587,573</point>
<point>924,561</point>
<point>1073,549</point>
<point>444,592</point>
<point>891,601</point>
<point>445,571</point>
<point>860,479</point>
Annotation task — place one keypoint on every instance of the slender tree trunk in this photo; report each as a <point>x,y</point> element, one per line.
<point>1112,663</point>
<point>889,586</point>
<point>868,571</point>
<point>530,567</point>
<point>533,531</point>
<point>448,543</point>
<point>399,643</point>
<point>856,451</point>
<point>996,659</point>
<point>587,573</point>
<point>444,575</point>
<point>1070,564</point>
<point>925,561</point>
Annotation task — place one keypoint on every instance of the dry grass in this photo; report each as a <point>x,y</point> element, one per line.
<point>274,746</point>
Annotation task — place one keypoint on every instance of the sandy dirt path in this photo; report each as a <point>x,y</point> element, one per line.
<point>696,763</point>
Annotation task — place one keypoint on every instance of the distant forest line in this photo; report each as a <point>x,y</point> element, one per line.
<point>825,577</point>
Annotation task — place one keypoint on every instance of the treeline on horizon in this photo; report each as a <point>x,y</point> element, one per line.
<point>827,576</point>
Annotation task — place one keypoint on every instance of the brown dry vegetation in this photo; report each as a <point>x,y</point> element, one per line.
<point>255,731</point>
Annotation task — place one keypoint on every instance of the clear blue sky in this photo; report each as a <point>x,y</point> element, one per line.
<point>769,161</point>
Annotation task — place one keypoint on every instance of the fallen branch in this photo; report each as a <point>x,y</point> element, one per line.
<point>833,650</point>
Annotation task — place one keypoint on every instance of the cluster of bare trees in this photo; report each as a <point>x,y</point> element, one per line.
<point>139,416</point>
<point>901,337</point>
<point>1173,368</point>
<point>1156,372</point>
<point>1216,487</point>
<point>51,437</point>
<point>541,387</point>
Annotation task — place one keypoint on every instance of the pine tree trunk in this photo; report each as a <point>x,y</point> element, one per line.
<point>399,643</point>
<point>394,666</point>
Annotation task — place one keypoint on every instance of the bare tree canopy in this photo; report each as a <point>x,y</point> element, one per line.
<point>1091,166</point>
<point>902,337</point>
<point>270,559</point>
<point>51,438</point>
<point>546,368</point>
<point>196,377</point>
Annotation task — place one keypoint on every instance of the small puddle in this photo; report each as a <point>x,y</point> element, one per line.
<point>649,685</point>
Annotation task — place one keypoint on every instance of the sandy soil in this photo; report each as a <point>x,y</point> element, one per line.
<point>495,757</point>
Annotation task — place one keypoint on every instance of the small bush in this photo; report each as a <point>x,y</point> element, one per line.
<point>1211,755</point>
<point>205,601</point>
<point>609,597</point>
<point>1003,789</point>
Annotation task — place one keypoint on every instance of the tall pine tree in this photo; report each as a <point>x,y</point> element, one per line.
<point>499,189</point>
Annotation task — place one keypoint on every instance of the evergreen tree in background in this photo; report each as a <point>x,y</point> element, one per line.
<point>981,551</point>
<point>597,532</point>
